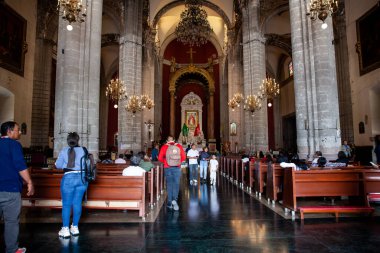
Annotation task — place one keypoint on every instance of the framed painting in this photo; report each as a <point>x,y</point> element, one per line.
<point>191,119</point>
<point>12,40</point>
<point>233,129</point>
<point>368,35</point>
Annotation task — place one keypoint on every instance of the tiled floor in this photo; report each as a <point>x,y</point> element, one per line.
<point>211,219</point>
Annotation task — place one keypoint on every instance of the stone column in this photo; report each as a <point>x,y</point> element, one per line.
<point>343,76</point>
<point>78,73</point>
<point>41,92</point>
<point>172,113</point>
<point>316,95</point>
<point>256,129</point>
<point>130,69</point>
<point>211,123</point>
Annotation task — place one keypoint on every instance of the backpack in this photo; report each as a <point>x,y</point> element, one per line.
<point>173,155</point>
<point>88,166</point>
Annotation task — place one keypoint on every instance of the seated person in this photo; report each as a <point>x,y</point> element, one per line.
<point>128,155</point>
<point>120,160</point>
<point>321,161</point>
<point>146,164</point>
<point>342,158</point>
<point>269,157</point>
<point>282,158</point>
<point>317,155</point>
<point>134,169</point>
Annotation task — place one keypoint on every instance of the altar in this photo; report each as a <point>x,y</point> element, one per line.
<point>191,120</point>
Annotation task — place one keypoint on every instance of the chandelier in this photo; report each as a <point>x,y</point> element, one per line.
<point>235,101</point>
<point>193,28</point>
<point>116,91</point>
<point>252,103</point>
<point>72,11</point>
<point>269,89</point>
<point>321,9</point>
<point>137,103</point>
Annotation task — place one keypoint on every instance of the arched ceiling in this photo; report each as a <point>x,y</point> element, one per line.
<point>165,14</point>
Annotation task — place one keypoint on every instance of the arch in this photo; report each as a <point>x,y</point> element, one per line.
<point>7,104</point>
<point>176,3</point>
<point>191,69</point>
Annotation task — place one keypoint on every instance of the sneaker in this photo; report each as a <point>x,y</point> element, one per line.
<point>20,250</point>
<point>195,181</point>
<point>64,232</point>
<point>191,182</point>
<point>74,230</point>
<point>170,206</point>
<point>175,205</point>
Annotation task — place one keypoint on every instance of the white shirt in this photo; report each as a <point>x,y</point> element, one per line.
<point>193,153</point>
<point>133,171</point>
<point>214,165</point>
<point>120,161</point>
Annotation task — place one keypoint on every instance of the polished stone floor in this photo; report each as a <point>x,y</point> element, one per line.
<point>218,218</point>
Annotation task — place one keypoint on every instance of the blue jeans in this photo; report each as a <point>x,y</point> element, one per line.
<point>10,208</point>
<point>193,171</point>
<point>72,191</point>
<point>173,177</point>
<point>203,165</point>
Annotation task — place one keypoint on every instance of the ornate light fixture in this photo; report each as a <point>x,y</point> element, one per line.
<point>193,28</point>
<point>146,102</point>
<point>321,9</point>
<point>252,103</point>
<point>233,104</point>
<point>235,101</point>
<point>72,11</point>
<point>116,91</point>
<point>137,103</point>
<point>269,89</point>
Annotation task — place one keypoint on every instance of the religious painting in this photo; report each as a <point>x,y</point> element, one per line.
<point>233,129</point>
<point>12,40</point>
<point>368,34</point>
<point>191,119</point>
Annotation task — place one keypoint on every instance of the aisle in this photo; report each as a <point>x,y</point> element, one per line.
<point>211,219</point>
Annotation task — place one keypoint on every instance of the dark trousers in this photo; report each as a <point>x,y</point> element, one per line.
<point>10,208</point>
<point>173,177</point>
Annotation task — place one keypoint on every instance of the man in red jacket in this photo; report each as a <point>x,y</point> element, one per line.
<point>172,169</point>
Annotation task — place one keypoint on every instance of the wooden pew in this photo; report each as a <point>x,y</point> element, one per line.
<point>275,175</point>
<point>251,176</point>
<point>106,192</point>
<point>119,192</point>
<point>154,178</point>
<point>325,183</point>
<point>260,177</point>
<point>372,185</point>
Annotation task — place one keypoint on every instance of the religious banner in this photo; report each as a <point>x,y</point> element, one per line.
<point>191,119</point>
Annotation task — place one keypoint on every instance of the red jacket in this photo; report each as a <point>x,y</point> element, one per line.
<point>162,154</point>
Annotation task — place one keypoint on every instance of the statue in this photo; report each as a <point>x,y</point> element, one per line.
<point>173,65</point>
<point>185,133</point>
<point>197,130</point>
<point>210,66</point>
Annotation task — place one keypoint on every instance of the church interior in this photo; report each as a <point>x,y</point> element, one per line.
<point>237,76</point>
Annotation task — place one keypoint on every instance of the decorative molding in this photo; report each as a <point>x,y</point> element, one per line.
<point>110,39</point>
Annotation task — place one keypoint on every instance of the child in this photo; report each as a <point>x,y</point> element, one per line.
<point>213,168</point>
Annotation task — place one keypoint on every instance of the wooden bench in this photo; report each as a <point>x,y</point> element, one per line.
<point>275,175</point>
<point>260,173</point>
<point>329,183</point>
<point>106,192</point>
<point>336,210</point>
